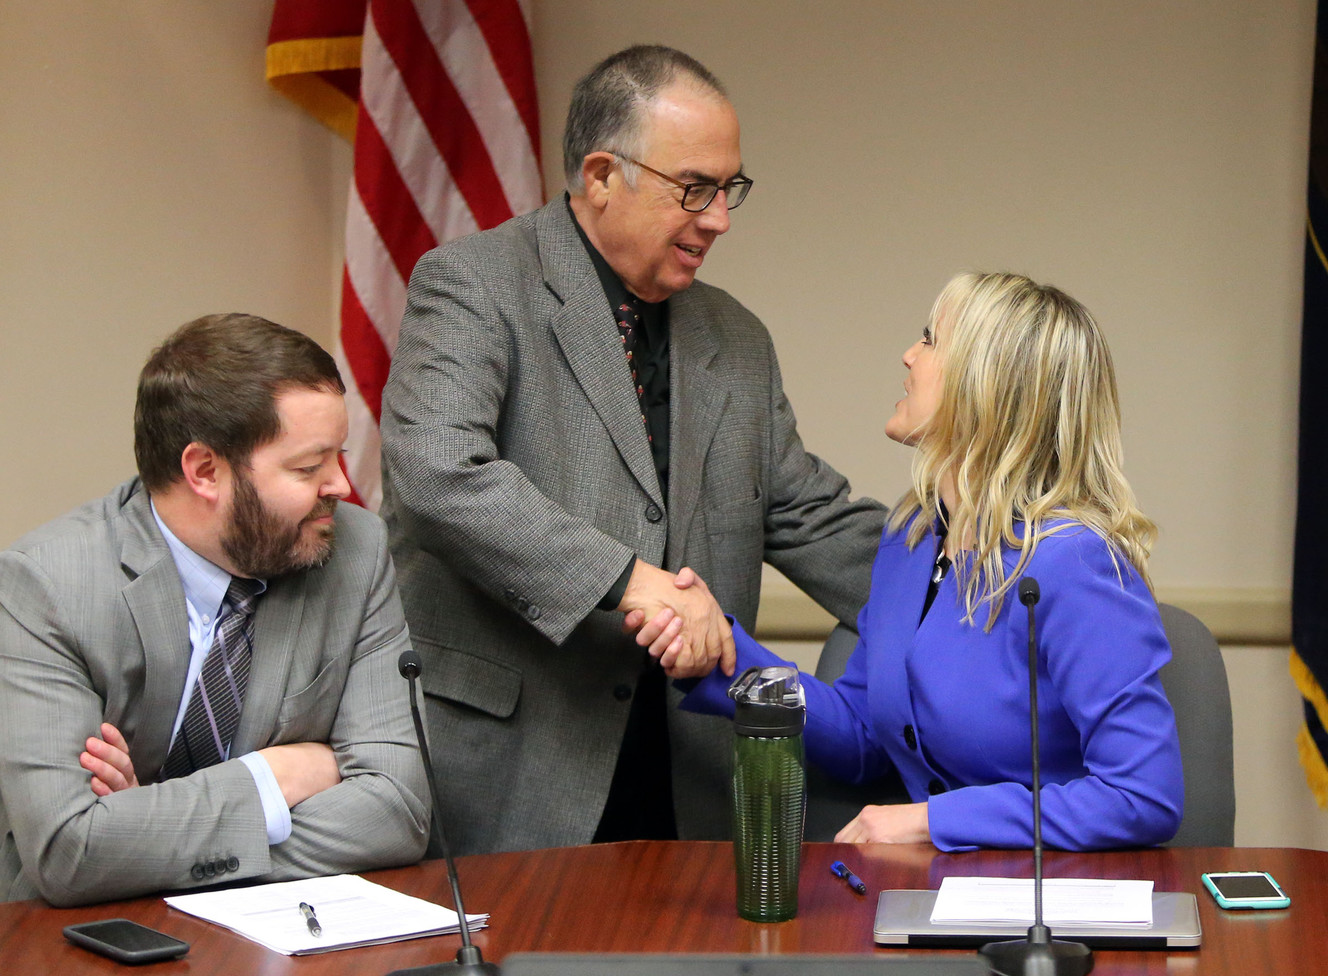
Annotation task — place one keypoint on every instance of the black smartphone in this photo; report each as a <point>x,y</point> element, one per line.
<point>1245,889</point>
<point>125,941</point>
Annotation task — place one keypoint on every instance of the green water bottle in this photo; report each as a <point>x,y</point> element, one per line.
<point>769,791</point>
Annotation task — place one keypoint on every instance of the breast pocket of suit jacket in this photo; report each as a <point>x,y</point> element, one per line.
<point>308,714</point>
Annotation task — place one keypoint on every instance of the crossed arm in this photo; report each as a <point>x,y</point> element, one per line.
<point>358,799</point>
<point>302,769</point>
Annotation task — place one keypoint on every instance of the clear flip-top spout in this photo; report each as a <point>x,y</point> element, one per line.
<point>780,685</point>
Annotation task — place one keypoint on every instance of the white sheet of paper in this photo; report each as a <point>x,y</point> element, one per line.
<point>1064,900</point>
<point>351,911</point>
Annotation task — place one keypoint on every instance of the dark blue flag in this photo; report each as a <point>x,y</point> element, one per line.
<point>1309,594</point>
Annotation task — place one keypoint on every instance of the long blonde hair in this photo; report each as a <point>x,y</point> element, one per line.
<point>1028,426</point>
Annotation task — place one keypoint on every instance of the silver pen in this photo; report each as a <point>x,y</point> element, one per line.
<point>310,919</point>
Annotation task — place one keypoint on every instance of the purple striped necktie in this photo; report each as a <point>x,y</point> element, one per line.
<point>213,714</point>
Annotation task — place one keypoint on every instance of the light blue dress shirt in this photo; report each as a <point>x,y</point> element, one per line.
<point>205,585</point>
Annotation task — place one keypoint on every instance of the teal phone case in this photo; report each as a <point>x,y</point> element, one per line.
<point>1246,903</point>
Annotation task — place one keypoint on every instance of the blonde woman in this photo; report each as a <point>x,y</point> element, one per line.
<point>1010,401</point>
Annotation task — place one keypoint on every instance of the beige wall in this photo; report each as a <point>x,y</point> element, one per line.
<point>1149,158</point>
<point>147,176</point>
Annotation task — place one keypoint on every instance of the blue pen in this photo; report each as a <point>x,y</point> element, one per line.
<point>840,870</point>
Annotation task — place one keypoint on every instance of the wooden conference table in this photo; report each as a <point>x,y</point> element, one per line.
<point>654,896</point>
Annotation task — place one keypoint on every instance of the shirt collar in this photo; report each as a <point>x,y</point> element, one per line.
<point>614,289</point>
<point>205,583</point>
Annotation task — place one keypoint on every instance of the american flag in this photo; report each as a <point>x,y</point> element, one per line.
<point>439,99</point>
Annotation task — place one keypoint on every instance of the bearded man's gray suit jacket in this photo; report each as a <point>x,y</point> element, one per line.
<point>94,628</point>
<point>518,482</point>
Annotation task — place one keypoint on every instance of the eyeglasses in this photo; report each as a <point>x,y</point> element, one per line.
<point>697,196</point>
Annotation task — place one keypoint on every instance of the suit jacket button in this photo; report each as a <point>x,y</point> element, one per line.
<point>622,692</point>
<point>221,865</point>
<point>196,872</point>
<point>533,613</point>
<point>653,514</point>
<point>910,737</point>
<point>935,787</point>
<point>232,863</point>
<point>210,869</point>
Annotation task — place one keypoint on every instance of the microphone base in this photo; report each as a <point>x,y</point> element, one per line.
<point>451,969</point>
<point>1025,957</point>
<point>469,962</point>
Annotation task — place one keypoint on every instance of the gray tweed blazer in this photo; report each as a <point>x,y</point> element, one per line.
<point>518,482</point>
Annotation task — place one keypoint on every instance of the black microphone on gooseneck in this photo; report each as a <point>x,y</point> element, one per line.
<point>1038,954</point>
<point>469,959</point>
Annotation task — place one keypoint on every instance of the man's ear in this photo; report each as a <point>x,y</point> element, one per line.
<point>596,169</point>
<point>205,471</point>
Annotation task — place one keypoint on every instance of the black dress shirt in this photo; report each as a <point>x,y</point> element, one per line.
<point>640,801</point>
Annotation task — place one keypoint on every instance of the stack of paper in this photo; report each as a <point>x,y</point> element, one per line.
<point>1065,901</point>
<point>351,912</point>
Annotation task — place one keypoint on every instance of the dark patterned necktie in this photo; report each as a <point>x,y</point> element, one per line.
<point>628,317</point>
<point>213,714</point>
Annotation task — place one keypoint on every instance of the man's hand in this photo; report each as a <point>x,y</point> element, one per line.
<point>107,759</point>
<point>662,635</point>
<point>895,823</point>
<point>686,629</point>
<point>302,769</point>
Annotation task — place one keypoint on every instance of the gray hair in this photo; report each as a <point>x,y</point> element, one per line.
<point>609,103</point>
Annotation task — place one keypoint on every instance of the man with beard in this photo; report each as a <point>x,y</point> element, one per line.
<point>193,688</point>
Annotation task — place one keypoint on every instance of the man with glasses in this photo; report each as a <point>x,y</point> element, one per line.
<point>570,421</point>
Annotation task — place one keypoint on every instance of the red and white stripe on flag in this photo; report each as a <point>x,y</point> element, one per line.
<point>446,143</point>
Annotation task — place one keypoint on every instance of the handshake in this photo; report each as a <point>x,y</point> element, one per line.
<point>678,621</point>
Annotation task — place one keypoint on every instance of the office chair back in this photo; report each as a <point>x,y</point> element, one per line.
<point>1196,685</point>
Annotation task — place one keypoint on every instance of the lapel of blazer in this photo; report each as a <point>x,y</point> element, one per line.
<point>276,630</point>
<point>155,599</point>
<point>696,403</point>
<point>585,331</point>
<point>156,602</point>
<point>913,568</point>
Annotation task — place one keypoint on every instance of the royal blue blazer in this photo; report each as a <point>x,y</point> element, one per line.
<point>946,702</point>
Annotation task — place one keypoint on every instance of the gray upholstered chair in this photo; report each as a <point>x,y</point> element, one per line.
<point>1196,684</point>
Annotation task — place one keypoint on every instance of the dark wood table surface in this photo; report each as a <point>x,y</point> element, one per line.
<point>652,896</point>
